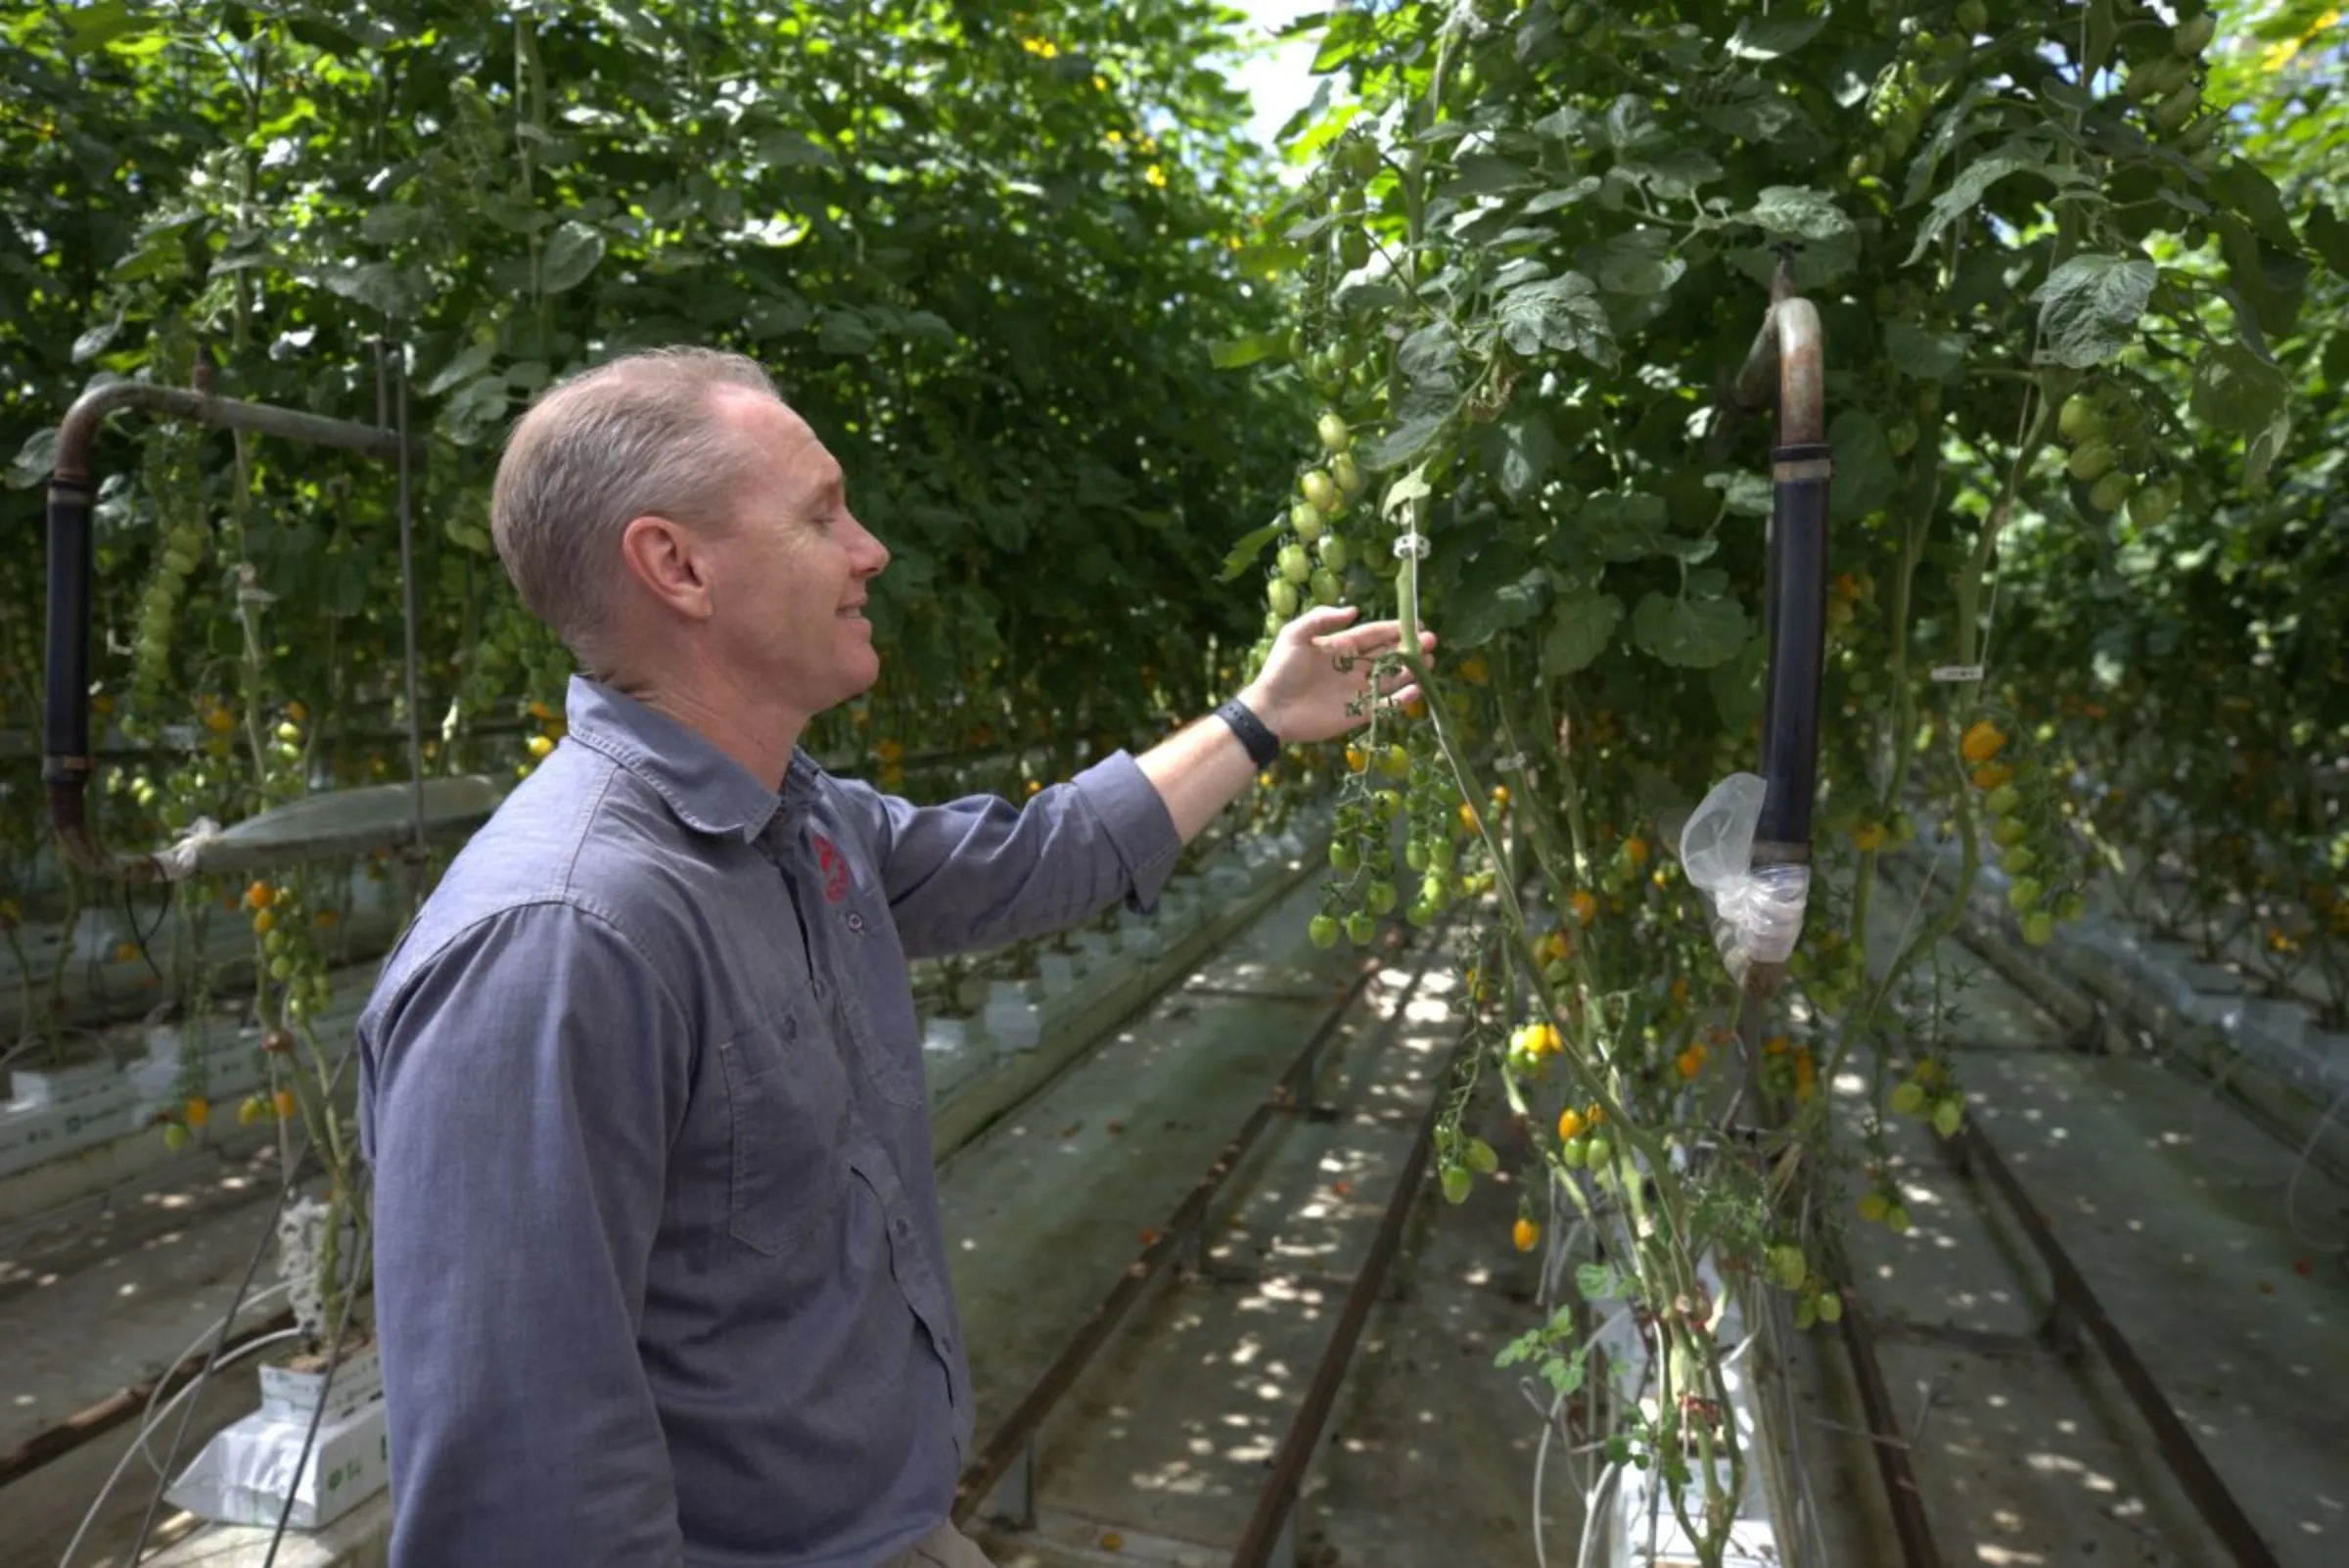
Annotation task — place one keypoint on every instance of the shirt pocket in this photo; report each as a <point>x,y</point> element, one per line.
<point>787,1109</point>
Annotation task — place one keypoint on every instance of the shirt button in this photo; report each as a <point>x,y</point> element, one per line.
<point>856,921</point>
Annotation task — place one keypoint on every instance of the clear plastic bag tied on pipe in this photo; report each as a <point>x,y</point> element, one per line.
<point>1757,911</point>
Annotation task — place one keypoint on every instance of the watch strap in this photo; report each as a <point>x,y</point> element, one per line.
<point>1264,747</point>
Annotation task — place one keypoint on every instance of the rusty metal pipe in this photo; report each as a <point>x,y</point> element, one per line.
<point>66,761</point>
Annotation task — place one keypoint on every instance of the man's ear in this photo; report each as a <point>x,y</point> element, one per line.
<point>669,560</point>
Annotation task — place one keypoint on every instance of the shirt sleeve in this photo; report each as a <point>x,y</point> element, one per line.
<point>520,1086</point>
<point>979,872</point>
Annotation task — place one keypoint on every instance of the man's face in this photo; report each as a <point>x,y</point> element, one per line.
<point>794,570</point>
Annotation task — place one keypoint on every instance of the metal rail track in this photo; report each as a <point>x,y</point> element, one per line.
<point>1975,1159</point>
<point>1000,1485</point>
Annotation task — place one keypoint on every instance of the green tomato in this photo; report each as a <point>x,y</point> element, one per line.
<point>1360,927</point>
<point>2039,928</point>
<point>1282,595</point>
<point>2081,419</point>
<point>1457,1183</point>
<point>1379,898</point>
<point>1348,472</point>
<point>1908,1098</point>
<point>2019,859</point>
<point>1328,589</point>
<point>2193,35</point>
<point>1480,1157</point>
<point>1305,518</point>
<point>1788,1268</point>
<point>1973,16</point>
<point>1323,930</point>
<point>2010,832</point>
<point>1335,438</point>
<point>2004,800</point>
<point>1948,1116</point>
<point>1296,565</point>
<point>2023,895</point>
<point>1343,856</point>
<point>1333,553</point>
<point>2092,460</point>
<point>1831,1304</point>
<point>2110,492</point>
<point>1323,492</point>
<point>2152,506</point>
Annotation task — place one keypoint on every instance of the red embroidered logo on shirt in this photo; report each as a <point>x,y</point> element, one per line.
<point>836,881</point>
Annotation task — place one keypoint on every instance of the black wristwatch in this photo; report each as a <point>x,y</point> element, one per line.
<point>1264,747</point>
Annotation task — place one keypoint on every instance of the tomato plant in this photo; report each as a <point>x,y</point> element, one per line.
<point>1530,249</point>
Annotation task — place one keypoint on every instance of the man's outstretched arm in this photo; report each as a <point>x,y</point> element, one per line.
<point>1312,688</point>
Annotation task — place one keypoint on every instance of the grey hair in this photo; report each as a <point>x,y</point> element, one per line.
<point>635,436</point>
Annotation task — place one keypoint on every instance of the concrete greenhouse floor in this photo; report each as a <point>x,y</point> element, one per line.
<point>2172,1205</point>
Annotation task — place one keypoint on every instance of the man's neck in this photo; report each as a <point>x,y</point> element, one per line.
<point>745,725</point>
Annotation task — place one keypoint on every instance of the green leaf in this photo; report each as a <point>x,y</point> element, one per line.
<point>1736,685</point>
<point>1925,355</point>
<point>2090,306</point>
<point>1565,1375</point>
<point>1248,350</point>
<point>1639,263</point>
<point>393,223</point>
<point>1744,492</point>
<point>1598,1282</point>
<point>2328,236</point>
<point>1867,476</point>
<point>1496,593</point>
<point>1561,313</point>
<point>2019,156</point>
<point>1251,545</point>
<point>1771,37</point>
<point>91,28</point>
<point>467,366</point>
<point>1412,487</point>
<point>845,333</point>
<point>2238,391</point>
<point>378,285</point>
<point>1558,196</point>
<point>1617,526</point>
<point>1486,174</point>
<point>1798,213</point>
<point>1527,446</point>
<point>572,253</point>
<point>1404,443</point>
<point>1690,633</point>
<point>1580,625</point>
<point>33,460</point>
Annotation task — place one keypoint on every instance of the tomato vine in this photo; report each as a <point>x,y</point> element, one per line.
<point>1528,249</point>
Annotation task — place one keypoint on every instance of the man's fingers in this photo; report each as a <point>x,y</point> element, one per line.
<point>1375,638</point>
<point>1323,620</point>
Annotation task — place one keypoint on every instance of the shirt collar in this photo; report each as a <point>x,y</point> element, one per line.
<point>709,791</point>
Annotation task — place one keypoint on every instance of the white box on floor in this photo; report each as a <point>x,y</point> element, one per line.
<point>242,1476</point>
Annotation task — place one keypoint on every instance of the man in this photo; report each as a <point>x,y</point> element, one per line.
<point>660,1278</point>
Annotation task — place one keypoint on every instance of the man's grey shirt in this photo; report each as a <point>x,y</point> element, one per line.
<point>660,1277</point>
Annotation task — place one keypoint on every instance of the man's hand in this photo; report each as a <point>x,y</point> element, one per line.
<point>1315,684</point>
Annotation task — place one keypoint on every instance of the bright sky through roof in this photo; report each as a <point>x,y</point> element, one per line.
<point>1280,81</point>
